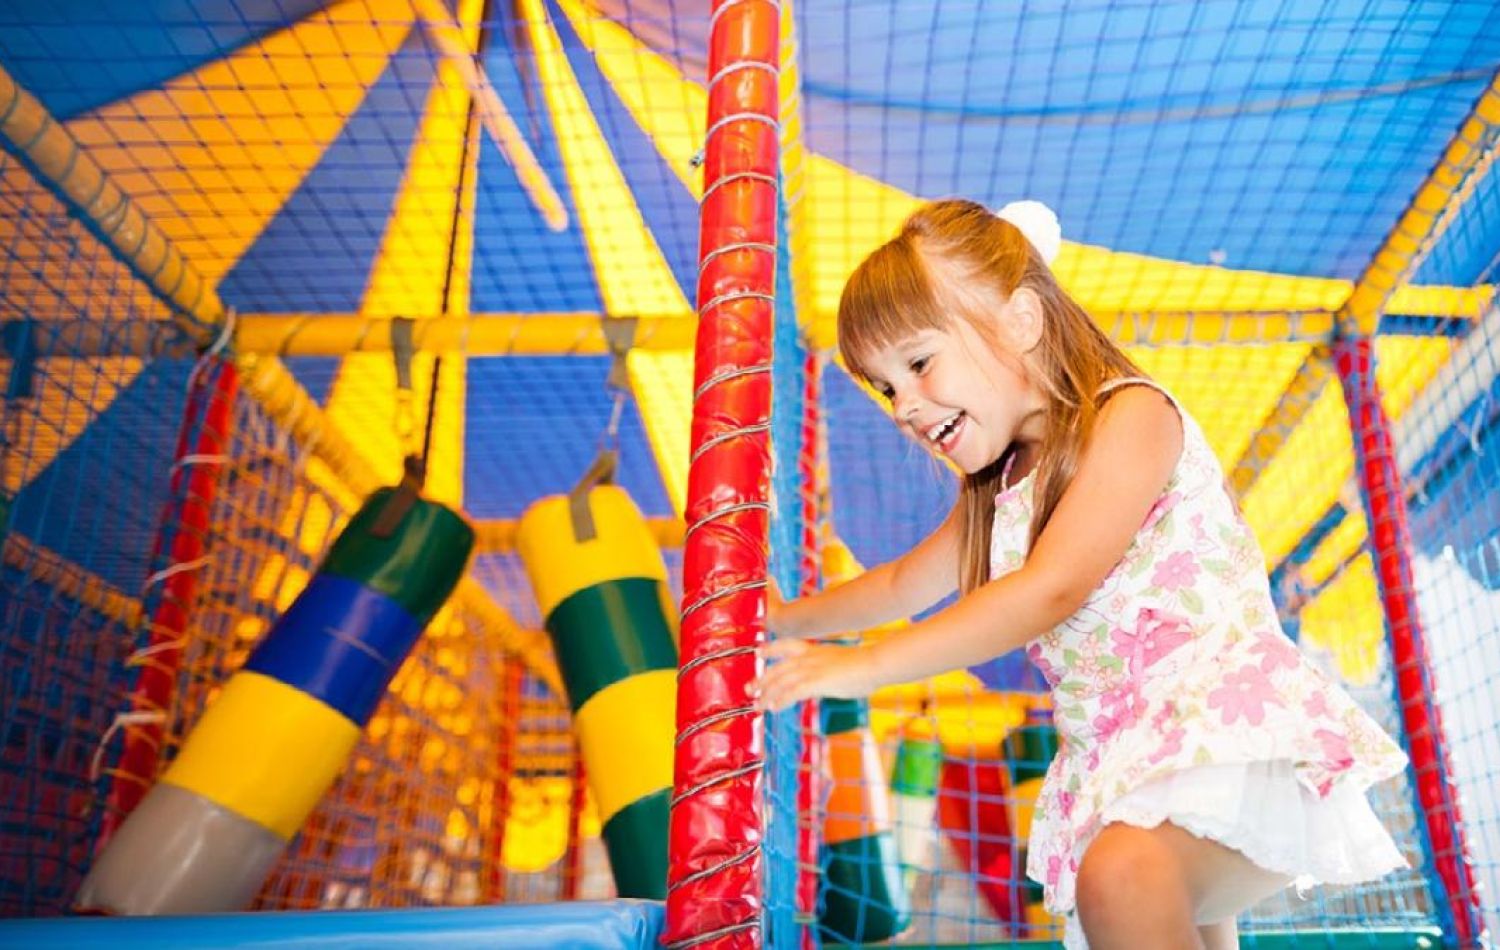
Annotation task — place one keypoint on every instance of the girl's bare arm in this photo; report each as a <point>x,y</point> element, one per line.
<point>913,582</point>
<point>1121,475</point>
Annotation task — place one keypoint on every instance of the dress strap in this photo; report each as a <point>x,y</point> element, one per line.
<point>1010,462</point>
<point>1120,382</point>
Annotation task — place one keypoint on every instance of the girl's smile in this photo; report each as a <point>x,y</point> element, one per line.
<point>945,434</point>
<point>956,395</point>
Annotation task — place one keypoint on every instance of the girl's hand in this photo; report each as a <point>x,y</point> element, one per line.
<point>775,606</point>
<point>808,670</point>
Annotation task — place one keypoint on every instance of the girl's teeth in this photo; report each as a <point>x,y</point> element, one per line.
<point>944,429</point>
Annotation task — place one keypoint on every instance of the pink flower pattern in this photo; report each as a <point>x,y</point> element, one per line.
<point>1335,749</point>
<point>1316,705</point>
<point>1244,693</point>
<point>1171,744</point>
<point>1054,869</point>
<point>1155,635</point>
<point>1159,510</point>
<point>1191,585</point>
<point>1120,709</point>
<point>1276,653</point>
<point>1179,570</point>
<point>1065,803</point>
<point>1034,653</point>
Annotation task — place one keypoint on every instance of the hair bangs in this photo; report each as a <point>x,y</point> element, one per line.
<point>889,297</point>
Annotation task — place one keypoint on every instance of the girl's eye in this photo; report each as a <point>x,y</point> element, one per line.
<point>887,392</point>
<point>919,365</point>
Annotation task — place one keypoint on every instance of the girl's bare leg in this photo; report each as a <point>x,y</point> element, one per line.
<point>1223,935</point>
<point>1155,887</point>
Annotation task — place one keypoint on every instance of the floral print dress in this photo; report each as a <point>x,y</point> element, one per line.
<point>1176,696</point>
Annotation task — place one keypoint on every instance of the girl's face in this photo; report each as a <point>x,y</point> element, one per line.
<point>957,396</point>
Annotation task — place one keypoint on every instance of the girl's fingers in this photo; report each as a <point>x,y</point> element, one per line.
<point>779,688</point>
<point>775,700</point>
<point>785,649</point>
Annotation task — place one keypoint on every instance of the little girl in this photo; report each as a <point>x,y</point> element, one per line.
<point>1204,764</point>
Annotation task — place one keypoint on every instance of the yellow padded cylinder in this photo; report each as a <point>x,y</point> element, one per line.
<point>560,566</point>
<point>264,750</point>
<point>625,734</point>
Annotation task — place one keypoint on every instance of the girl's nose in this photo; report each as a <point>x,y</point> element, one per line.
<point>904,406</point>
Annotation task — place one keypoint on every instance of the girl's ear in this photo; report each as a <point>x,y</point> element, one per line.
<point>1025,318</point>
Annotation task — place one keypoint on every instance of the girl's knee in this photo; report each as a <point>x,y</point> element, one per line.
<point>1223,935</point>
<point>1124,867</point>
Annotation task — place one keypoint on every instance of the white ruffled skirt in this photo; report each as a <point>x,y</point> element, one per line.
<point>1261,810</point>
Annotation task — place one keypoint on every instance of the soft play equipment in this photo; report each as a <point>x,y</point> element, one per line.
<point>973,816</point>
<point>914,781</point>
<point>601,585</point>
<point>272,743</point>
<point>862,898</point>
<point>1029,750</point>
<point>577,925</point>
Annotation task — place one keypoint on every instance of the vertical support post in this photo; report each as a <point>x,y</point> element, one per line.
<point>505,768</point>
<point>714,875</point>
<point>1449,872</point>
<point>790,895</point>
<point>172,589</point>
<point>573,857</point>
<point>810,768</point>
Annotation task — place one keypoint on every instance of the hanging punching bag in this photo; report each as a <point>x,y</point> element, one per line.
<point>279,732</point>
<point>601,585</point>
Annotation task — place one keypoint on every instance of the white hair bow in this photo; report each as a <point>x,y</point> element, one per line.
<point>1038,223</point>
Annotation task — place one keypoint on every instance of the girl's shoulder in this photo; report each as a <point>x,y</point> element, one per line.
<point>1196,455</point>
<point>1126,384</point>
<point>1140,409</point>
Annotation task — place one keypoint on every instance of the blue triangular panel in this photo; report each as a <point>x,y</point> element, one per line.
<point>78,55</point>
<point>543,419</point>
<point>1457,513</point>
<point>316,374</point>
<point>1195,132</point>
<point>676,30</point>
<point>888,493</point>
<point>519,265</point>
<point>317,253</point>
<point>98,504</point>
<point>1468,252</point>
<point>669,209</point>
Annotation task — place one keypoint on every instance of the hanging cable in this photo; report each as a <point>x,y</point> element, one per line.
<point>619,333</point>
<point>413,462</point>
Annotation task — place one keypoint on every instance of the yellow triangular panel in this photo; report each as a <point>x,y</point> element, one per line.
<point>1315,464</point>
<point>845,214</point>
<point>61,273</point>
<point>795,157</point>
<point>634,279</point>
<point>1346,621</point>
<point>445,466</point>
<point>1406,366</point>
<point>1337,548</point>
<point>48,276</point>
<point>663,387</point>
<point>208,156</point>
<point>363,405</point>
<point>1198,376</point>
<point>419,260</point>
<point>67,397</point>
<point>668,107</point>
<point>411,269</point>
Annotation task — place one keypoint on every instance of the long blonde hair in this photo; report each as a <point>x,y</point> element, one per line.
<point>894,293</point>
